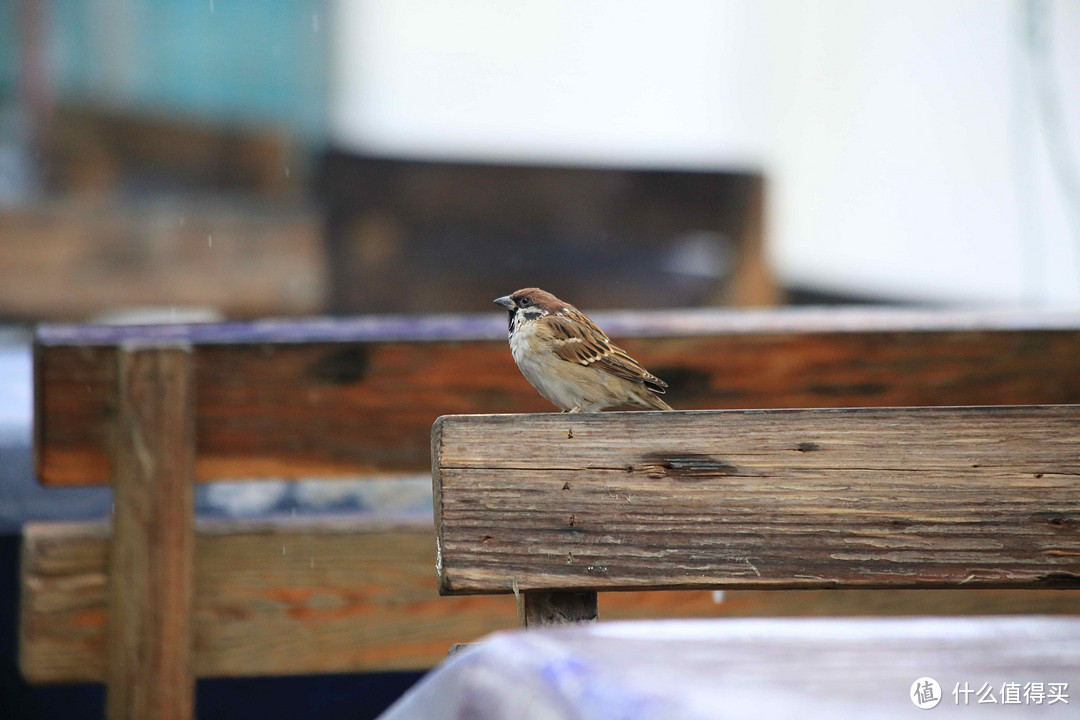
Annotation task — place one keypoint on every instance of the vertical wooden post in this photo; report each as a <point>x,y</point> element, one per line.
<point>753,283</point>
<point>149,664</point>
<point>538,609</point>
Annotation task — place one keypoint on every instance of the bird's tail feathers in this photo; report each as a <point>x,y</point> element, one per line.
<point>652,402</point>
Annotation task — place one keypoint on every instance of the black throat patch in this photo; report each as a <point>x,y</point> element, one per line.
<point>522,316</point>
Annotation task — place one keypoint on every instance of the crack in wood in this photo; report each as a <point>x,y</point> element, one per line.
<point>686,466</point>
<point>1062,580</point>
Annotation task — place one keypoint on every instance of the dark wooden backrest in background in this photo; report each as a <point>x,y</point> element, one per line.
<point>295,399</point>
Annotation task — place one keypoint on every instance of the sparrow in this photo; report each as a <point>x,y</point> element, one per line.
<point>570,361</point>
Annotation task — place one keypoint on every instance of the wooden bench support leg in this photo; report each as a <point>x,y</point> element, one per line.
<point>537,609</point>
<point>149,665</point>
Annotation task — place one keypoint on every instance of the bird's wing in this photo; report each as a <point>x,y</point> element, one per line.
<point>578,340</point>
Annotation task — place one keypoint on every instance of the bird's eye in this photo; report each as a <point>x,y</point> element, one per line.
<point>525,301</point>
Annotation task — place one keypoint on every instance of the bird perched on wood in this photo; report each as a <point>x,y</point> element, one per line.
<point>570,361</point>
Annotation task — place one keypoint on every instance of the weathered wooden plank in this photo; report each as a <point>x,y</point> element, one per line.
<point>148,654</point>
<point>351,596</point>
<point>76,260</point>
<point>96,152</point>
<point>273,598</point>
<point>329,397</point>
<point>916,497</point>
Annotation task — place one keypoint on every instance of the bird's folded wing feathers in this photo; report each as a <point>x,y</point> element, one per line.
<point>579,340</point>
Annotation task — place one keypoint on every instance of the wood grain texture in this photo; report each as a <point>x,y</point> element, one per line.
<point>326,398</point>
<point>540,609</point>
<point>900,497</point>
<point>149,670</point>
<point>279,598</point>
<point>325,596</point>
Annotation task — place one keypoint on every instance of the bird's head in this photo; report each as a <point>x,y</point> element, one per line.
<point>530,304</point>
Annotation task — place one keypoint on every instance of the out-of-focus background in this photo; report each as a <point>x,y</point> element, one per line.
<point>164,160</point>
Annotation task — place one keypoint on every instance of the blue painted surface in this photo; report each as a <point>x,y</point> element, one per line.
<point>8,49</point>
<point>243,62</point>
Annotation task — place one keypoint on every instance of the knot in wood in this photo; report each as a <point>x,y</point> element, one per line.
<point>686,466</point>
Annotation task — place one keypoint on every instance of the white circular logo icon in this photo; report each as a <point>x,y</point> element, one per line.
<point>925,693</point>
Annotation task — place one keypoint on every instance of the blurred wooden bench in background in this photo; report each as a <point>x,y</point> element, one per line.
<point>90,151</point>
<point>68,260</point>
<point>405,235</point>
<point>554,508</point>
<point>322,398</point>
<point>154,210</point>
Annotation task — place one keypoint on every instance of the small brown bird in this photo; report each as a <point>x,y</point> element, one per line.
<point>570,361</point>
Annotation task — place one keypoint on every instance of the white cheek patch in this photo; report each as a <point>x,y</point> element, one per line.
<point>521,318</point>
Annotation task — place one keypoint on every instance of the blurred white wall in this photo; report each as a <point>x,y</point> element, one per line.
<point>907,144</point>
<point>910,157</point>
<point>621,81</point>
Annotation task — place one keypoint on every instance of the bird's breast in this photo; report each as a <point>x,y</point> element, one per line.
<point>523,341</point>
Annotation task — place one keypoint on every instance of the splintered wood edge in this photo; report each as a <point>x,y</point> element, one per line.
<point>437,498</point>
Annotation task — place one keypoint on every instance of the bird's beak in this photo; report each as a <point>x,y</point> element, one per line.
<point>506,302</point>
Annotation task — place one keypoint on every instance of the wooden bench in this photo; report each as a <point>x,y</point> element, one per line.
<point>324,398</point>
<point>554,508</point>
<point>65,260</point>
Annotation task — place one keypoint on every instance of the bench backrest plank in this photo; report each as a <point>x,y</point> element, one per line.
<point>273,598</point>
<point>896,497</point>
<point>356,396</point>
<point>334,596</point>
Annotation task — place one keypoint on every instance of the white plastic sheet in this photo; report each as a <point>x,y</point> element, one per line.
<point>758,668</point>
